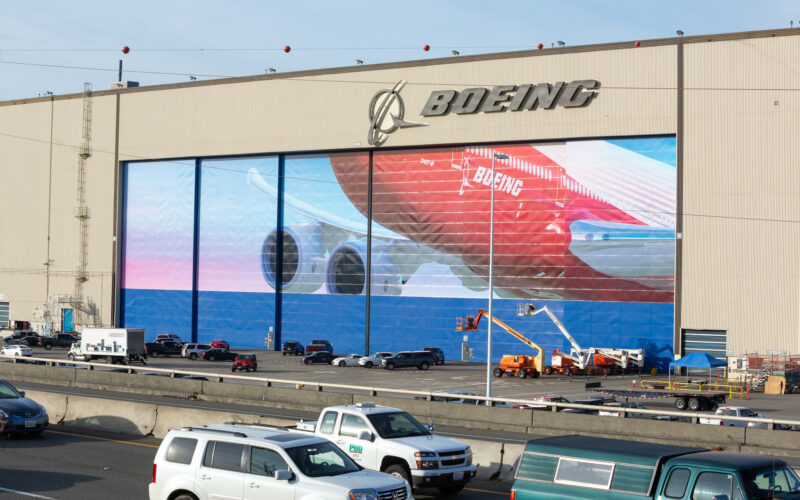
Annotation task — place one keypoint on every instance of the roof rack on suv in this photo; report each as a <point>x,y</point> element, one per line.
<point>263,426</point>
<point>225,431</point>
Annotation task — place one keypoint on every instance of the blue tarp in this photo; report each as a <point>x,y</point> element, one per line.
<point>698,360</point>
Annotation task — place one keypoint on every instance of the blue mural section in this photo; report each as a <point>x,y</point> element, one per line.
<point>158,311</point>
<point>410,323</point>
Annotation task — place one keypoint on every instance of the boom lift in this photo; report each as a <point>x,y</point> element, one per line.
<point>515,365</point>
<point>573,362</point>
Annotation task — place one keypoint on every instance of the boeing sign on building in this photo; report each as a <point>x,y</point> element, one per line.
<point>387,110</point>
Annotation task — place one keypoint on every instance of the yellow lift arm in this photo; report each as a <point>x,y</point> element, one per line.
<point>471,323</point>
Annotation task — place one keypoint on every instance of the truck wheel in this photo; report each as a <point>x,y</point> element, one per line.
<point>548,370</point>
<point>109,360</point>
<point>451,490</point>
<point>233,368</point>
<point>307,361</point>
<point>522,374</point>
<point>694,404</point>
<point>193,356</point>
<point>497,372</point>
<point>535,374</point>
<point>681,403</point>
<point>390,366</point>
<point>284,353</point>
<point>368,364</point>
<point>154,354</point>
<point>423,366</point>
<point>398,471</point>
<point>71,357</point>
<point>212,358</point>
<point>48,346</point>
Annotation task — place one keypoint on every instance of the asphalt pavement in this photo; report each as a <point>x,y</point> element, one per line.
<point>68,463</point>
<point>454,375</point>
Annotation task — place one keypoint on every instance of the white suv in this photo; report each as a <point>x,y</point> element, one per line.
<point>247,462</point>
<point>194,351</point>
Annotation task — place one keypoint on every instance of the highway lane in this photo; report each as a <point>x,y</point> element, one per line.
<point>68,463</point>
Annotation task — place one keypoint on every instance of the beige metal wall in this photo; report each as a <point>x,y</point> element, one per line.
<point>741,192</point>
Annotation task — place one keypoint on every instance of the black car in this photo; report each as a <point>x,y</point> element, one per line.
<point>293,347</point>
<point>422,360</point>
<point>156,349</point>
<point>58,340</point>
<point>319,357</point>
<point>32,340</point>
<point>438,354</point>
<point>219,355</point>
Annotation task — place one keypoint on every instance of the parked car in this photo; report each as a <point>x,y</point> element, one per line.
<point>161,337</point>
<point>318,357</point>
<point>293,347</point>
<point>257,462</point>
<point>374,359</point>
<point>609,409</point>
<point>458,398</point>
<point>348,360</point>
<point>16,350</point>
<point>17,342</point>
<point>24,415</point>
<point>319,345</point>
<point>58,340</point>
<point>166,348</point>
<point>219,344</point>
<point>246,362</point>
<point>422,360</point>
<point>438,354</point>
<point>193,351</point>
<point>219,355</point>
<point>19,334</point>
<point>730,411</point>
<point>543,405</point>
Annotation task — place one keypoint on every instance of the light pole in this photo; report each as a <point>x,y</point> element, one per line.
<point>495,156</point>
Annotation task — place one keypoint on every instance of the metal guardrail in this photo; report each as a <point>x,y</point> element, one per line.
<point>694,417</point>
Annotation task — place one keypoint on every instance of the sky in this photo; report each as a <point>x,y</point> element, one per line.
<point>170,40</point>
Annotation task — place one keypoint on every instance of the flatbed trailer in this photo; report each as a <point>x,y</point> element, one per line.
<point>684,399</point>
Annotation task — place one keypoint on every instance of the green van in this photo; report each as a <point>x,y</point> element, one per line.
<point>586,467</point>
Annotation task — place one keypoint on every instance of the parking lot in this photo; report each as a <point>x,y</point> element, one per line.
<point>453,376</point>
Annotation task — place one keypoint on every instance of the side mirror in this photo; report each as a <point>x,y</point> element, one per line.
<point>283,475</point>
<point>430,426</point>
<point>365,435</point>
<point>22,393</point>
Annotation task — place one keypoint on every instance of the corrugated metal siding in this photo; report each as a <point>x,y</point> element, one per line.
<point>742,192</point>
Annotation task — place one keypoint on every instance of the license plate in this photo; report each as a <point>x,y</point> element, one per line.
<point>30,423</point>
<point>458,476</point>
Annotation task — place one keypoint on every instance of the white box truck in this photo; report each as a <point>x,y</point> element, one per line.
<point>114,345</point>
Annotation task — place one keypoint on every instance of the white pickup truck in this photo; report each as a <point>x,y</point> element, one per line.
<point>392,441</point>
<point>731,411</point>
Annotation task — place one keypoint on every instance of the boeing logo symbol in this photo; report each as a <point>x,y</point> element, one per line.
<point>386,113</point>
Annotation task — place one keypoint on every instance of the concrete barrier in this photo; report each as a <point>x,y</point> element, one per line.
<point>53,402</point>
<point>171,417</point>
<point>110,414</point>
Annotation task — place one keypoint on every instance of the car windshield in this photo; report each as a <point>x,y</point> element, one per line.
<point>321,459</point>
<point>7,391</point>
<point>770,482</point>
<point>397,425</point>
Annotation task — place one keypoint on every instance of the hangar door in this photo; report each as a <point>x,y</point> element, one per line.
<point>712,342</point>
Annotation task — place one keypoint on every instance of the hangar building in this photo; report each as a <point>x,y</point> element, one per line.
<point>646,192</point>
